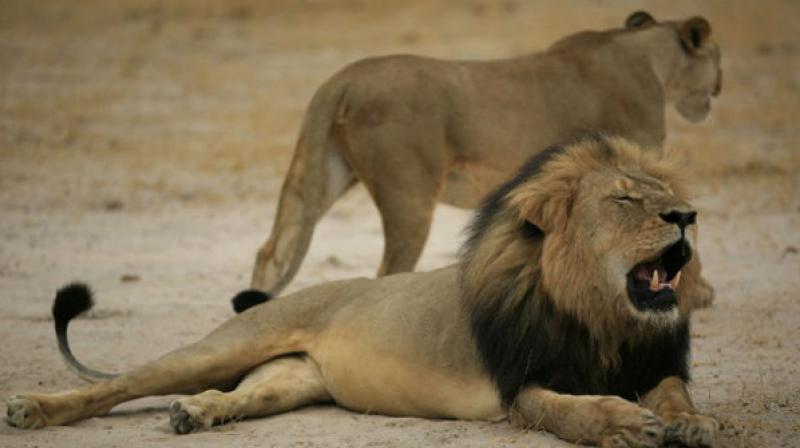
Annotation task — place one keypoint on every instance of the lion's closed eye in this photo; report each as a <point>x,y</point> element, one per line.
<point>625,199</point>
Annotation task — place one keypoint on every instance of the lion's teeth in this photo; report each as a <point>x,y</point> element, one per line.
<point>654,284</point>
<point>676,280</point>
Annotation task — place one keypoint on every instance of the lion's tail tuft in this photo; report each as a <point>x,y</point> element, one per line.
<point>248,299</point>
<point>72,300</point>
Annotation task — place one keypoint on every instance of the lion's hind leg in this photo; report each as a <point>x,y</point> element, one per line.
<point>187,370</point>
<point>606,421</point>
<point>217,361</point>
<point>276,386</point>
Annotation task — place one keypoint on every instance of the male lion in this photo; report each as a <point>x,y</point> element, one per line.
<point>418,130</point>
<point>568,305</point>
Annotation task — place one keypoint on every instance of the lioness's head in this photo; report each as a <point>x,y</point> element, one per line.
<point>600,228</point>
<point>694,73</point>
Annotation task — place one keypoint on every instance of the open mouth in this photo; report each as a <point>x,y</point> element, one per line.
<point>652,284</point>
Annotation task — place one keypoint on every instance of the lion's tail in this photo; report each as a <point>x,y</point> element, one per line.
<point>71,301</point>
<point>75,299</point>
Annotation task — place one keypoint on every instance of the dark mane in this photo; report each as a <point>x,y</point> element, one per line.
<point>525,339</point>
<point>536,344</point>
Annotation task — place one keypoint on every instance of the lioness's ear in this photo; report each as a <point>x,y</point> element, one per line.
<point>694,33</point>
<point>639,19</point>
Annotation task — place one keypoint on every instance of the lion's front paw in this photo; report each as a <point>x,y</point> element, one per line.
<point>185,417</point>
<point>690,429</point>
<point>630,426</point>
<point>25,413</point>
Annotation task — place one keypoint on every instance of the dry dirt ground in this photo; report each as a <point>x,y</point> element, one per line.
<point>142,146</point>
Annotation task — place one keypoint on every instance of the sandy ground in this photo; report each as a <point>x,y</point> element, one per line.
<point>142,146</point>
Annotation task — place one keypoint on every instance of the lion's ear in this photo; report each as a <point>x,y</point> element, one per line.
<point>695,33</point>
<point>548,208</point>
<point>639,19</point>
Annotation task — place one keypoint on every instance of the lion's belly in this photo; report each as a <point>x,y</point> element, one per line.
<point>403,347</point>
<point>366,379</point>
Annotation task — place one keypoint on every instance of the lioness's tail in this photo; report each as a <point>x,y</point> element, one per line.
<point>317,177</point>
<point>71,301</point>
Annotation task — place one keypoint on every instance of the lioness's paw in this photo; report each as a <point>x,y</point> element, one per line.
<point>704,297</point>
<point>690,429</point>
<point>629,425</point>
<point>185,417</point>
<point>24,413</point>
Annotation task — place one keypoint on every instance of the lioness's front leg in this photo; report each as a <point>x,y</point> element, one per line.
<point>701,293</point>
<point>607,421</point>
<point>670,400</point>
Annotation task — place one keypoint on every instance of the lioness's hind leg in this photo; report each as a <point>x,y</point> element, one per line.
<point>700,292</point>
<point>310,189</point>
<point>277,386</point>
<point>406,218</point>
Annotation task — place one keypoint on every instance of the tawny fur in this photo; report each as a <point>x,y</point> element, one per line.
<point>407,345</point>
<point>417,131</point>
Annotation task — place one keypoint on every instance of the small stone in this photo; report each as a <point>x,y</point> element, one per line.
<point>129,278</point>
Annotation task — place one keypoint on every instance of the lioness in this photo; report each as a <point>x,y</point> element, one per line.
<point>568,305</point>
<point>418,130</point>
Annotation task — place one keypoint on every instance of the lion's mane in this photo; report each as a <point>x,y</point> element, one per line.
<point>535,317</point>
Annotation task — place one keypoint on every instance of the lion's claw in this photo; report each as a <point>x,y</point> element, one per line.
<point>185,418</point>
<point>631,426</point>
<point>649,435</point>
<point>692,430</point>
<point>24,413</point>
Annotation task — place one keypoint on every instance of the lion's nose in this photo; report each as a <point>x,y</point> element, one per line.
<point>679,218</point>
